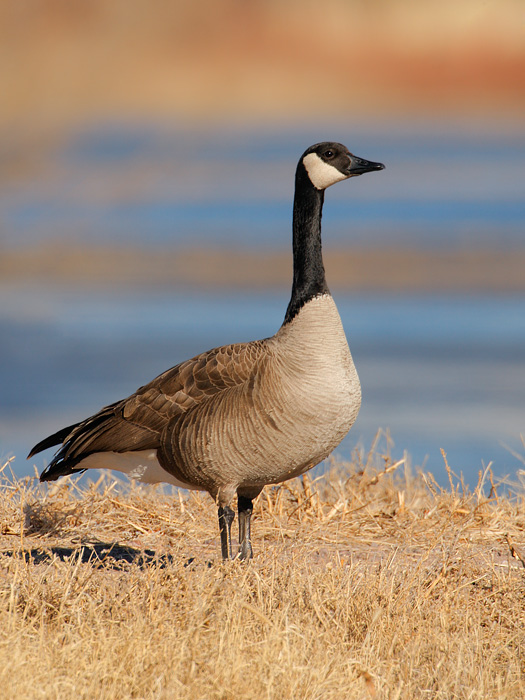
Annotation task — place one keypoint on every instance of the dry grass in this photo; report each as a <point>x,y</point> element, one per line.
<point>366,583</point>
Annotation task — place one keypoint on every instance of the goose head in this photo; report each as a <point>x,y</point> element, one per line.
<point>329,162</point>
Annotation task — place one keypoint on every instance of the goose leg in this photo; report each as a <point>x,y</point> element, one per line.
<point>226,516</point>
<point>245,508</point>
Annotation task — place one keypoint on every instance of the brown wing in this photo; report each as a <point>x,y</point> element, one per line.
<point>136,423</point>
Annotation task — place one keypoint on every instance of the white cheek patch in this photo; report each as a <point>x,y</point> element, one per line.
<point>321,174</point>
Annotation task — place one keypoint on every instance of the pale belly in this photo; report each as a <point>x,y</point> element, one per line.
<point>142,465</point>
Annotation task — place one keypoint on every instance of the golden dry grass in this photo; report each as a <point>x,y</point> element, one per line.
<point>365,584</point>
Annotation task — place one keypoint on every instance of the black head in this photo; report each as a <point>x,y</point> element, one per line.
<point>330,162</point>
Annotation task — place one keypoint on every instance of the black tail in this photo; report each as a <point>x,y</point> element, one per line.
<point>54,470</point>
<point>106,431</point>
<point>73,440</point>
<point>55,439</point>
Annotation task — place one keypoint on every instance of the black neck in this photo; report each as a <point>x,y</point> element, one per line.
<point>308,270</point>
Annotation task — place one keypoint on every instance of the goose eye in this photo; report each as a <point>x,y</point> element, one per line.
<point>328,154</point>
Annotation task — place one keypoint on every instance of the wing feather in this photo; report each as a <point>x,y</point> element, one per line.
<point>137,422</point>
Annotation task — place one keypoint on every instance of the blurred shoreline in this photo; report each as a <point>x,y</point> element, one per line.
<point>396,269</point>
<point>65,64</point>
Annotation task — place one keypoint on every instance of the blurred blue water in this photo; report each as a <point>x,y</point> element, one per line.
<point>439,372</point>
<point>154,186</point>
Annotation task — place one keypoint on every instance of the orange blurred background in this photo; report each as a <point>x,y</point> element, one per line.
<point>64,62</point>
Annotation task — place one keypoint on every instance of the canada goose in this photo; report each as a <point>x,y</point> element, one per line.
<point>238,417</point>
